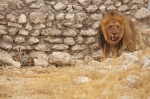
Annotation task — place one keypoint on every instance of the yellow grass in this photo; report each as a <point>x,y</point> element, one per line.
<point>59,83</point>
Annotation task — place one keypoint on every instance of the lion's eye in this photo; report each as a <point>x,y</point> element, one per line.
<point>117,26</point>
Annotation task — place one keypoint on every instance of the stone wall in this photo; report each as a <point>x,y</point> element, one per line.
<point>59,25</point>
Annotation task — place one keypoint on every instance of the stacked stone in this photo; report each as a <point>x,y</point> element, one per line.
<point>59,25</point>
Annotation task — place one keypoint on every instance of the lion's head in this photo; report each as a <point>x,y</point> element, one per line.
<point>113,28</point>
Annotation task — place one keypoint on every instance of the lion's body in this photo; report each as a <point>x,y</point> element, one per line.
<point>116,32</point>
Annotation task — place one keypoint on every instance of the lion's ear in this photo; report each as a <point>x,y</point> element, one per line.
<point>101,40</point>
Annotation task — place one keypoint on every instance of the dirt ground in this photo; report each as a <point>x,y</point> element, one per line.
<point>60,82</point>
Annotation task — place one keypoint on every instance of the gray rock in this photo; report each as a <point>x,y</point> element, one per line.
<point>69,41</point>
<point>13,31</point>
<point>30,1</point>
<point>60,6</point>
<point>37,17</point>
<point>3,30</point>
<point>145,61</point>
<point>60,47</point>
<point>118,4</point>
<point>14,25</point>
<point>96,17</point>
<point>90,40</point>
<point>6,46</point>
<point>91,8</point>
<point>35,33</point>
<point>53,40</point>
<point>80,40</point>
<point>102,8</point>
<point>22,19</point>
<point>60,16</point>
<point>11,17</point>
<point>39,55</point>
<point>89,32</point>
<point>96,25</point>
<point>108,2</point>
<point>70,17</point>
<point>125,1</point>
<point>81,16</point>
<point>134,7</point>
<point>82,79</point>
<point>123,8</point>
<point>138,1</point>
<point>33,40</point>
<point>3,6</point>
<point>1,17</point>
<point>40,62</point>
<point>77,7</point>
<point>96,2</point>
<point>69,32</point>
<point>51,17</point>
<point>78,47</point>
<point>84,2</point>
<point>37,4</point>
<point>142,13</point>
<point>7,38</point>
<point>130,57</point>
<point>42,47</point>
<point>39,26</point>
<point>70,8</point>
<point>60,58</point>
<point>23,32</point>
<point>6,59</point>
<point>132,81</point>
<point>111,7</point>
<point>20,4</point>
<point>28,27</point>
<point>19,40</point>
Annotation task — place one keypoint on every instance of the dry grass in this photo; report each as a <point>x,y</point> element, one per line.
<point>58,83</point>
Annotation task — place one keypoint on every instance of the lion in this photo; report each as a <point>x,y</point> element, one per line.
<point>116,33</point>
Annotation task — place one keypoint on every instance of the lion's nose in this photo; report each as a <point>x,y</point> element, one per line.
<point>114,33</point>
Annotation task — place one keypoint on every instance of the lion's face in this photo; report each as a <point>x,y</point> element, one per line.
<point>114,31</point>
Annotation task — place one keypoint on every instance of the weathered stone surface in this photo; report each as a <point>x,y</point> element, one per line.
<point>23,32</point>
<point>60,6</point>
<point>3,6</point>
<point>96,17</point>
<point>92,8</point>
<point>6,59</point>
<point>53,40</point>
<point>70,8</point>
<point>132,81</point>
<point>142,13</point>
<point>70,17</point>
<point>138,1</point>
<point>3,30</point>
<point>80,40</point>
<point>39,26</point>
<point>42,47</point>
<point>7,38</point>
<point>90,40</point>
<point>60,47</point>
<point>14,25</point>
<point>19,40</point>
<point>60,16</point>
<point>78,47</point>
<point>11,17</point>
<point>81,16</point>
<point>39,55</point>
<point>96,2</point>
<point>33,40</point>
<point>82,79</point>
<point>30,1</point>
<point>51,17</point>
<point>28,27</point>
<point>1,17</point>
<point>60,58</point>
<point>69,41</point>
<point>6,46</point>
<point>52,32</point>
<point>22,19</point>
<point>84,2</point>
<point>77,7</point>
<point>118,4</point>
<point>69,32</point>
<point>89,32</point>
<point>35,33</point>
<point>102,8</point>
<point>37,4</point>
<point>20,4</point>
<point>123,8</point>
<point>145,61</point>
<point>111,7</point>
<point>40,62</point>
<point>96,25</point>
<point>13,31</point>
<point>125,1</point>
<point>37,17</point>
